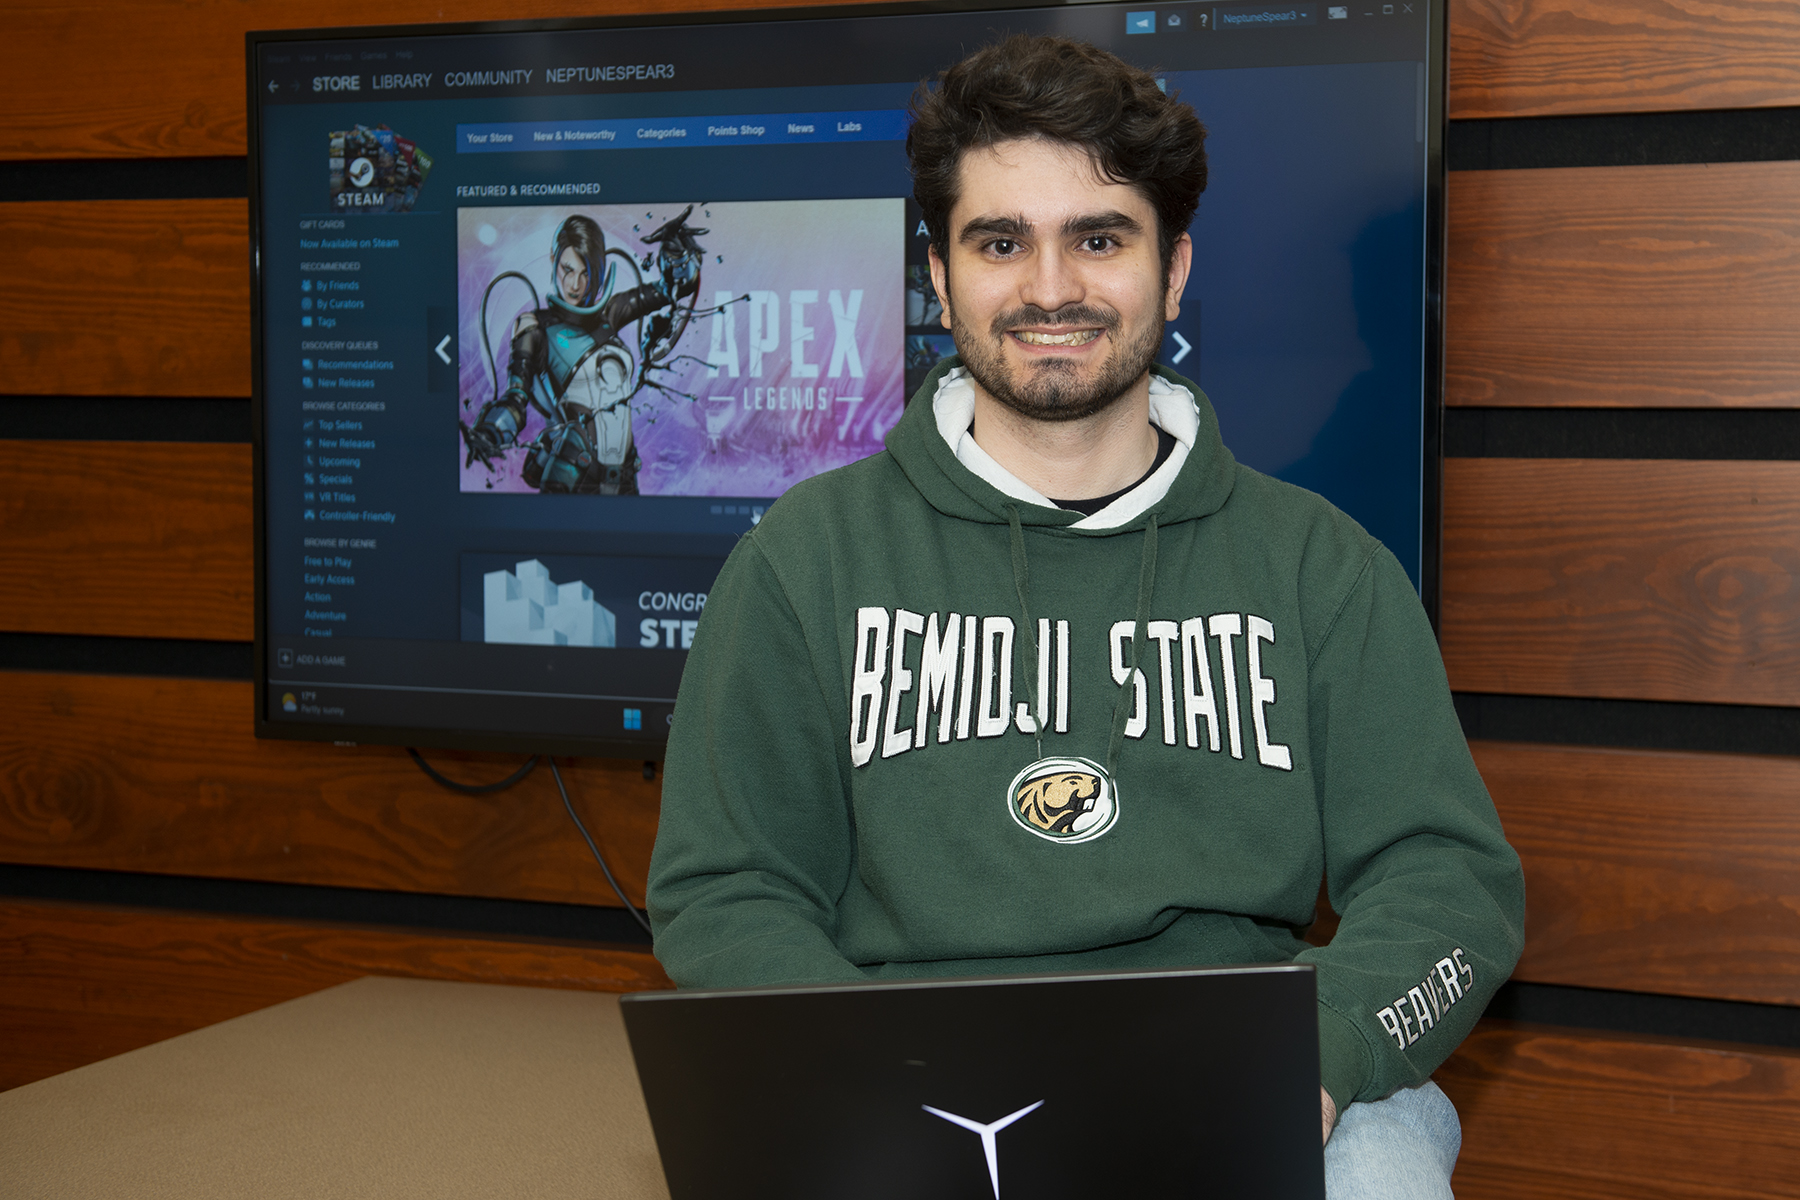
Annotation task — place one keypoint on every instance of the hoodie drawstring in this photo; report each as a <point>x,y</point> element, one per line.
<point>1022,581</point>
<point>1123,705</point>
<point>1146,586</point>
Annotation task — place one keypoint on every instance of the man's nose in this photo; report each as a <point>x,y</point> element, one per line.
<point>1054,281</point>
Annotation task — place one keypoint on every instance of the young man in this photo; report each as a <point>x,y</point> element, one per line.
<point>1054,684</point>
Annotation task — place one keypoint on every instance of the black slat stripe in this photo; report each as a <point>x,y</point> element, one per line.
<point>328,905</point>
<point>173,658</point>
<point>1685,433</point>
<point>1512,143</point>
<point>126,179</point>
<point>1574,1007</point>
<point>1631,724</point>
<point>124,419</point>
<point>1561,720</point>
<point>1624,139</point>
<point>1682,1017</point>
<point>1711,433</point>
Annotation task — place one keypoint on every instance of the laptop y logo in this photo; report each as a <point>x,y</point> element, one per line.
<point>986,1133</point>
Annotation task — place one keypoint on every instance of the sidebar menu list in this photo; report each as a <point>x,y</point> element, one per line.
<point>345,383</point>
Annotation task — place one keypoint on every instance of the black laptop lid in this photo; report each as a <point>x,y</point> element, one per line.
<point>1166,1083</point>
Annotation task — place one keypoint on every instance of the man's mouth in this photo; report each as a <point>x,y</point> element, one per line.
<point>1075,337</point>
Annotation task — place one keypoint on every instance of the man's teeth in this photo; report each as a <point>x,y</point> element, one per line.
<point>1079,337</point>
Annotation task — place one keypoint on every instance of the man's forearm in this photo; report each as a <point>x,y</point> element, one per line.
<point>730,939</point>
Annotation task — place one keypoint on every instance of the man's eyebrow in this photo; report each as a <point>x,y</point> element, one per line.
<point>1111,221</point>
<point>980,227</point>
<point>1105,222</point>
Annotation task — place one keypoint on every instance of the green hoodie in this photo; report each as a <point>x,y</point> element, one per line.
<point>910,740</point>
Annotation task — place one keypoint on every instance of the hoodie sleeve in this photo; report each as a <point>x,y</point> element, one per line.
<point>1431,897</point>
<point>753,847</point>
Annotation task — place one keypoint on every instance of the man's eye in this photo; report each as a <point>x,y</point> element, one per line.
<point>1002,247</point>
<point>1098,243</point>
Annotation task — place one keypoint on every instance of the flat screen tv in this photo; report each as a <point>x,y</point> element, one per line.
<point>420,581</point>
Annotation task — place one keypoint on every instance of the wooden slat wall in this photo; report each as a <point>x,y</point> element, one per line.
<point>1709,256</point>
<point>1509,58</point>
<point>1651,288</point>
<point>1647,871</point>
<point>126,539</point>
<point>1648,287</point>
<point>1664,580</point>
<point>125,297</point>
<point>162,775</point>
<point>1563,1115</point>
<point>84,983</point>
<point>1653,871</point>
<point>1518,58</point>
<point>174,69</point>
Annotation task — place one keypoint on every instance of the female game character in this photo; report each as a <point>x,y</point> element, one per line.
<point>570,362</point>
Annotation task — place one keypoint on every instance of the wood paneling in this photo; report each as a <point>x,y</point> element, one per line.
<point>1662,580</point>
<point>1550,1113</point>
<point>1508,58</point>
<point>1577,561</point>
<point>1673,286</point>
<point>78,984</point>
<point>1636,286</point>
<point>129,539</point>
<point>173,77</point>
<point>124,297</point>
<point>163,775</point>
<point>1515,58</point>
<point>1647,871</point>
<point>1652,871</point>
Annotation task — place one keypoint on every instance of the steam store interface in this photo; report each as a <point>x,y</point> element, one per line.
<point>548,319</point>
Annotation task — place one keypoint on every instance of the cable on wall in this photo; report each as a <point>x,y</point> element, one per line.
<point>618,891</point>
<point>486,789</point>
<point>474,789</point>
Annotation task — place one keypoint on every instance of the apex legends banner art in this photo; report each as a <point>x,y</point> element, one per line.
<point>677,350</point>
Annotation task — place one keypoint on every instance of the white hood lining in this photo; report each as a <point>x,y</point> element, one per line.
<point>1172,410</point>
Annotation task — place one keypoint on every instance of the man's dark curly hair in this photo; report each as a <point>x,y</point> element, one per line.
<point>1066,91</point>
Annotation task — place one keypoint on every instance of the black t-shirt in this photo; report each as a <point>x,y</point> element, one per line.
<point>1165,446</point>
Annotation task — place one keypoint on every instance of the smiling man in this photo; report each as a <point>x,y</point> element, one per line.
<point>1055,684</point>
<point>1057,311</point>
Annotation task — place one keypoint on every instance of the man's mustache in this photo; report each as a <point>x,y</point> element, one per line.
<point>1076,316</point>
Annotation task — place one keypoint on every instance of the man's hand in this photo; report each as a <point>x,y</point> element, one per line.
<point>1327,1115</point>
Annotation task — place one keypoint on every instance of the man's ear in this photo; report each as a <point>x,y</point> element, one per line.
<point>1181,261</point>
<point>940,282</point>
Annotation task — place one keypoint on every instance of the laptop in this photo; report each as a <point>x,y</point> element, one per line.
<point>1164,1083</point>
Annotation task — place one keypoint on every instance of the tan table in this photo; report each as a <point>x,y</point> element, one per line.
<point>379,1088</point>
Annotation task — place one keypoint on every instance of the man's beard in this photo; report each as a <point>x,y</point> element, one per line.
<point>1052,389</point>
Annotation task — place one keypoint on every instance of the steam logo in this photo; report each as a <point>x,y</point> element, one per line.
<point>1067,800</point>
<point>986,1133</point>
<point>362,172</point>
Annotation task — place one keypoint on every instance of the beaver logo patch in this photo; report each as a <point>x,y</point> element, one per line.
<point>1065,800</point>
